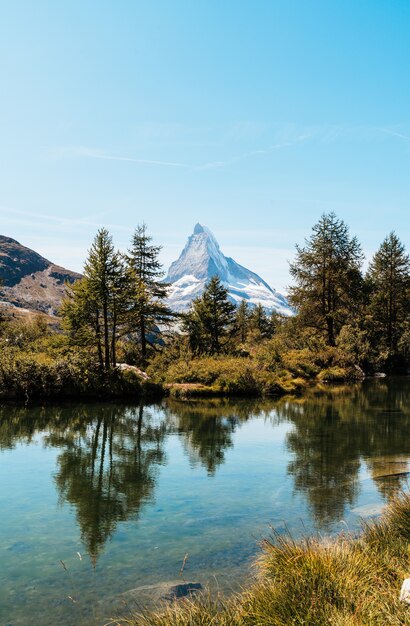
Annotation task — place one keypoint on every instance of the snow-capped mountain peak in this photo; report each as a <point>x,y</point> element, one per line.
<point>200,260</point>
<point>201,257</point>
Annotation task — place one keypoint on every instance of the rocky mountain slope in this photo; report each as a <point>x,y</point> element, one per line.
<point>29,281</point>
<point>200,260</point>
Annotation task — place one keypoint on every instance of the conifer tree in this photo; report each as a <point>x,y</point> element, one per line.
<point>328,282</point>
<point>260,322</point>
<point>147,309</point>
<point>210,321</point>
<point>389,283</point>
<point>242,321</point>
<point>95,305</point>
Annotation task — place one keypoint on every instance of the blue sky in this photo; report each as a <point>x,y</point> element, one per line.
<point>252,118</point>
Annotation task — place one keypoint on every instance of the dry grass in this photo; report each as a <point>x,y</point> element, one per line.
<point>348,581</point>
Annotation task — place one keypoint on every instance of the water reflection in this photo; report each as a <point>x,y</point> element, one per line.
<point>207,426</point>
<point>110,455</point>
<point>108,470</point>
<point>108,466</point>
<point>334,431</point>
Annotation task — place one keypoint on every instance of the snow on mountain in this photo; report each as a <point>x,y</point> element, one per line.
<point>200,260</point>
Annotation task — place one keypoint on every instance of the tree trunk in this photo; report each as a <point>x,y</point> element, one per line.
<point>330,330</point>
<point>106,338</point>
<point>143,338</point>
<point>98,338</point>
<point>114,338</point>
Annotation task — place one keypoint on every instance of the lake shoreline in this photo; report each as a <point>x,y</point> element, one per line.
<point>152,392</point>
<point>148,391</point>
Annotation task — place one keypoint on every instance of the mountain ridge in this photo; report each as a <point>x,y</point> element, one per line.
<point>29,281</point>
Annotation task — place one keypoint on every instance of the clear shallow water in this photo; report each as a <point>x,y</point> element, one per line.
<point>133,489</point>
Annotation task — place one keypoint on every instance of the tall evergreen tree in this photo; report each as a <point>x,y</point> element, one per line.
<point>210,321</point>
<point>242,320</point>
<point>389,283</point>
<point>95,304</point>
<point>260,322</point>
<point>328,282</point>
<point>148,309</point>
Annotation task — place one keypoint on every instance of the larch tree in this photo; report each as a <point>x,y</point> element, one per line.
<point>148,310</point>
<point>389,285</point>
<point>328,285</point>
<point>95,304</point>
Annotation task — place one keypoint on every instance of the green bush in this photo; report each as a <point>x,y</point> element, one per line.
<point>33,376</point>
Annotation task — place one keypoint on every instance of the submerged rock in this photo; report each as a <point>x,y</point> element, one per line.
<point>181,590</point>
<point>19,547</point>
<point>153,596</point>
<point>369,510</point>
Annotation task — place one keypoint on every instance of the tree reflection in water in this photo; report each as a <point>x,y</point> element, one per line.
<point>108,471</point>
<point>109,462</point>
<point>338,429</point>
<point>206,440</point>
<point>110,455</point>
<point>207,427</point>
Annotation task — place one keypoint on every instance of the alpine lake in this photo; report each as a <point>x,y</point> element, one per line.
<point>100,499</point>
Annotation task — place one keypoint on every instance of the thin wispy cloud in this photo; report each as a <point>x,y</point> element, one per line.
<point>389,131</point>
<point>53,223</point>
<point>89,220</point>
<point>94,153</point>
<point>246,155</point>
<point>289,136</point>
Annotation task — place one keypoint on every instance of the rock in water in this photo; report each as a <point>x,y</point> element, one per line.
<point>369,510</point>
<point>182,590</point>
<point>200,260</point>
<point>151,597</point>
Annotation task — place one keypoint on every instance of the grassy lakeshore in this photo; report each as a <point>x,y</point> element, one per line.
<point>270,370</point>
<point>345,581</point>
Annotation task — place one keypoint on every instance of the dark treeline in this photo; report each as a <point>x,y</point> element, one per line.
<point>347,322</point>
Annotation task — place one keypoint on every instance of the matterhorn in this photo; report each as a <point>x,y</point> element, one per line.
<point>200,260</point>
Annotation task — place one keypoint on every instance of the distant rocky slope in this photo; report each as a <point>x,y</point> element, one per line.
<point>200,260</point>
<point>29,281</point>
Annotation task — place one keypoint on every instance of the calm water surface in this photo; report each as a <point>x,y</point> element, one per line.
<point>120,494</point>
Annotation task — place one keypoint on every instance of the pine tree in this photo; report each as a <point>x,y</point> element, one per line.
<point>389,282</point>
<point>95,305</point>
<point>260,322</point>
<point>327,272</point>
<point>210,321</point>
<point>242,321</point>
<point>147,310</point>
